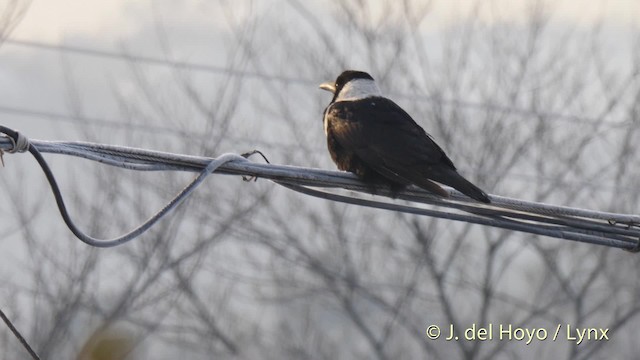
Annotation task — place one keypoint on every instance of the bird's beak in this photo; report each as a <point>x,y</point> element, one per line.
<point>329,86</point>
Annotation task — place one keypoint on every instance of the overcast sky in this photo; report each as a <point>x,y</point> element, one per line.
<point>57,20</point>
<point>195,31</point>
<point>36,79</point>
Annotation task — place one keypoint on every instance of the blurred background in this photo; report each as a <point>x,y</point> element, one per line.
<point>535,99</point>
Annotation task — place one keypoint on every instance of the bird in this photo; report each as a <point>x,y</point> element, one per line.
<point>371,136</point>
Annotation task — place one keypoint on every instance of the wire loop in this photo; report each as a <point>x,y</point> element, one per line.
<point>19,143</point>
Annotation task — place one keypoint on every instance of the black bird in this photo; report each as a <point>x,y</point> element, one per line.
<point>372,137</point>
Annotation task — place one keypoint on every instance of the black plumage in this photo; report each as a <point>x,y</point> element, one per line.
<point>374,138</point>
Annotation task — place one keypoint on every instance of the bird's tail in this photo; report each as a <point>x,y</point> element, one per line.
<point>456,181</point>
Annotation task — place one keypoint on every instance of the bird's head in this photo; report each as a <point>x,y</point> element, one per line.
<point>352,85</point>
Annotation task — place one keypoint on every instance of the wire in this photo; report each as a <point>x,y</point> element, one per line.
<point>19,336</point>
<point>208,169</point>
<point>127,125</point>
<point>595,227</point>
<point>120,125</point>
<point>154,61</point>
<point>494,220</point>
<point>83,120</point>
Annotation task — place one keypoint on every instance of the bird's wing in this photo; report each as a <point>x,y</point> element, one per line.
<point>385,137</point>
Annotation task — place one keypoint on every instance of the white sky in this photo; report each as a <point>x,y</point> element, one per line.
<point>196,31</point>
<point>53,20</point>
<point>32,79</point>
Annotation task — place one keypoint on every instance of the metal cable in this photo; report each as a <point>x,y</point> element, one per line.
<point>102,243</point>
<point>596,227</point>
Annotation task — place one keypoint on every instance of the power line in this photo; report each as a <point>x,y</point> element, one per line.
<point>19,336</point>
<point>127,125</point>
<point>84,120</point>
<point>595,227</point>
<point>120,124</point>
<point>122,56</point>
